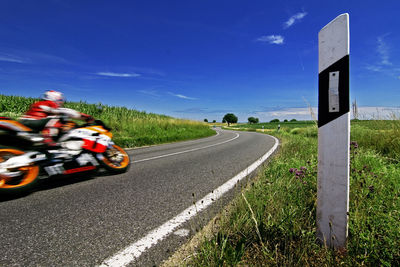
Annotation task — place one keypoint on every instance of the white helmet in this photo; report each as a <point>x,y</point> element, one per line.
<point>54,96</point>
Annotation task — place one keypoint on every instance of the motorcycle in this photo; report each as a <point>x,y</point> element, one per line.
<point>24,160</point>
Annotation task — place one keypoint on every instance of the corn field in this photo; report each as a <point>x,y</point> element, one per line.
<point>131,128</point>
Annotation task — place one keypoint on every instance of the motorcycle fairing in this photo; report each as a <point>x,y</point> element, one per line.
<point>95,138</point>
<point>15,126</point>
<point>74,164</point>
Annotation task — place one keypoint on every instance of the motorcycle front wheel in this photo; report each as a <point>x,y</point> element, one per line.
<point>115,159</point>
<point>26,178</point>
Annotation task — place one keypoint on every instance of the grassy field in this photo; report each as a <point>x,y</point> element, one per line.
<point>381,135</point>
<point>273,222</point>
<point>131,128</point>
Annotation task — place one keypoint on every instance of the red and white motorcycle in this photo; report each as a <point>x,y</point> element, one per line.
<point>24,160</point>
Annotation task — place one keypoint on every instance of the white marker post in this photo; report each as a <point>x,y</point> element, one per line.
<point>333,133</point>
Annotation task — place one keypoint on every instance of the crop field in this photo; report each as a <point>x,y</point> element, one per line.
<point>131,128</point>
<point>273,221</point>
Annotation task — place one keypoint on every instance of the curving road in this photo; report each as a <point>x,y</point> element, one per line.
<point>138,218</point>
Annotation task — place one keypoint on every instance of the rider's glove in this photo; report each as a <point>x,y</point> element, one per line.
<point>87,118</point>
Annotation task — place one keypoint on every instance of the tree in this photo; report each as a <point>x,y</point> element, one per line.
<point>285,121</point>
<point>214,121</point>
<point>205,120</point>
<point>275,120</point>
<point>252,120</point>
<point>230,118</point>
<point>293,120</point>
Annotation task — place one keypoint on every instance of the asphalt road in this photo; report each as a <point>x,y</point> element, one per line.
<point>88,221</point>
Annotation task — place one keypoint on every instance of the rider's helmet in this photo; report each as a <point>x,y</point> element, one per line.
<point>54,96</point>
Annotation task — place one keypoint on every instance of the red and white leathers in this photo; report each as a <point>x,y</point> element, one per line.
<point>47,115</point>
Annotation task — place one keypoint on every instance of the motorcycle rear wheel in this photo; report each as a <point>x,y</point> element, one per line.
<point>21,183</point>
<point>115,160</point>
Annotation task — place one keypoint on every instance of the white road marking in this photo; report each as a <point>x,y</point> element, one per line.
<point>186,151</point>
<point>132,252</point>
<point>182,232</point>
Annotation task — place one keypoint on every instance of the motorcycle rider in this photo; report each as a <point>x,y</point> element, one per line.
<point>45,116</point>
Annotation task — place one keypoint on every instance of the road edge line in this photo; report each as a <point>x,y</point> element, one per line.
<point>133,251</point>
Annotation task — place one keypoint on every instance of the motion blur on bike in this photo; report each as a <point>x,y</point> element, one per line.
<point>46,141</point>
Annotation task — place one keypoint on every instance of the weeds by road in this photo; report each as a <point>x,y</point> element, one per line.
<point>283,202</point>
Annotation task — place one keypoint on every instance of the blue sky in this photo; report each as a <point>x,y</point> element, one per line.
<point>197,59</point>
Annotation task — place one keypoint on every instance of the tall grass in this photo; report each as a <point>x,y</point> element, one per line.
<point>131,128</point>
<point>382,136</point>
<point>283,201</point>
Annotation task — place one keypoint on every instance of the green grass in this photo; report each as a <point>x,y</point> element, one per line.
<point>131,128</point>
<point>284,206</point>
<point>381,135</point>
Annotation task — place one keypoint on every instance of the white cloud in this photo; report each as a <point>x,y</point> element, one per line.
<point>294,18</point>
<point>288,113</point>
<point>114,74</point>
<point>380,113</point>
<point>383,51</point>
<point>374,68</point>
<point>11,58</point>
<point>383,63</point>
<point>30,57</point>
<point>182,96</point>
<point>365,113</point>
<point>272,39</point>
<point>149,92</point>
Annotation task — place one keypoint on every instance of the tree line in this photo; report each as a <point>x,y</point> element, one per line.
<point>232,118</point>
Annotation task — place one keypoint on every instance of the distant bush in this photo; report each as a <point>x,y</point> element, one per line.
<point>275,120</point>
